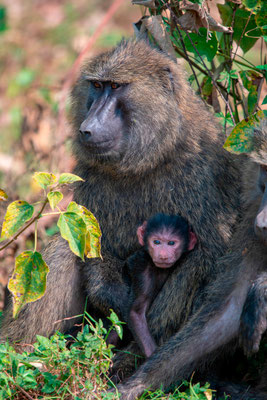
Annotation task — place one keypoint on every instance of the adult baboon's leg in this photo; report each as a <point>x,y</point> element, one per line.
<point>64,298</point>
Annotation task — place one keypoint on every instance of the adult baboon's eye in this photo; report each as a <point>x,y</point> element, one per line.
<point>97,85</point>
<point>114,85</point>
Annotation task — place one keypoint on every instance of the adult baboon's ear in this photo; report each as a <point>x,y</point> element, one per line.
<point>170,77</point>
<point>141,232</point>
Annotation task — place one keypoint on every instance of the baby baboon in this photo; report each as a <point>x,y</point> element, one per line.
<point>144,143</point>
<point>164,239</point>
<point>231,300</point>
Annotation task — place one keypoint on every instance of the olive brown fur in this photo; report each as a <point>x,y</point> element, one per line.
<point>170,160</point>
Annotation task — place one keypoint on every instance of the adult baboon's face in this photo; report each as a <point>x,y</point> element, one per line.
<point>125,108</point>
<point>105,125</point>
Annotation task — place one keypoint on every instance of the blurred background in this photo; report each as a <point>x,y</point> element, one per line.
<point>40,41</point>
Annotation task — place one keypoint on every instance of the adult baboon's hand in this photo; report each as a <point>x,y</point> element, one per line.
<point>253,322</point>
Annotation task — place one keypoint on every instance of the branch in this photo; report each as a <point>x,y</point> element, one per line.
<point>187,58</point>
<point>241,37</point>
<point>202,70</point>
<point>204,64</point>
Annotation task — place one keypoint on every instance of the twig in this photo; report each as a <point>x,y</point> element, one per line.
<point>242,34</point>
<point>32,220</point>
<point>188,59</point>
<point>261,48</point>
<point>251,66</point>
<point>21,389</point>
<point>24,392</point>
<point>204,64</point>
<point>179,51</point>
<point>67,318</point>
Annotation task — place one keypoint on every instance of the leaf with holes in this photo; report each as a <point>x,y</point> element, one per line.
<point>241,138</point>
<point>65,179</point>
<point>17,214</point>
<point>54,198</point>
<point>93,235</point>
<point>44,179</point>
<point>73,229</point>
<point>28,282</point>
<point>204,47</point>
<point>3,195</point>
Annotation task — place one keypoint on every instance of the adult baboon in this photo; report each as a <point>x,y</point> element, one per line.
<point>235,299</point>
<point>144,143</point>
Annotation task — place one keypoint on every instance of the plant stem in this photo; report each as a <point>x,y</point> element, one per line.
<point>188,59</point>
<point>235,102</point>
<point>251,66</point>
<point>203,71</point>
<point>35,235</point>
<point>242,34</point>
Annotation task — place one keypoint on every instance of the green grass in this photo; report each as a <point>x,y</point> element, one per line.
<point>56,369</point>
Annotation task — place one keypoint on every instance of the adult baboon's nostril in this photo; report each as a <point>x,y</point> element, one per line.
<point>85,133</point>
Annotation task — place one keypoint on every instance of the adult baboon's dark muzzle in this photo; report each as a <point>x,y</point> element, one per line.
<point>103,126</point>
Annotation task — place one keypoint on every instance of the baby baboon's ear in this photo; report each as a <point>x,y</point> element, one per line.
<point>141,232</point>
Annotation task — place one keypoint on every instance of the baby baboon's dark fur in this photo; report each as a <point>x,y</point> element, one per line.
<point>170,160</point>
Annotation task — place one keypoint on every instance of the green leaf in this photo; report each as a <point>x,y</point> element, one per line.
<point>3,195</point>
<point>3,19</point>
<point>93,232</point>
<point>54,198</point>
<point>204,47</point>
<point>262,67</point>
<point>249,78</point>
<point>224,118</point>
<point>44,179</point>
<point>226,13</point>
<point>65,179</point>
<point>17,214</point>
<point>241,26</point>
<point>241,138</point>
<point>117,324</point>
<point>73,229</point>
<point>25,77</point>
<point>206,86</point>
<point>252,5</point>
<point>264,100</point>
<point>28,282</point>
